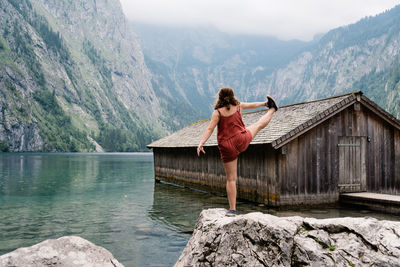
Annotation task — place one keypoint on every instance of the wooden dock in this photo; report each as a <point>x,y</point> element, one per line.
<point>379,202</point>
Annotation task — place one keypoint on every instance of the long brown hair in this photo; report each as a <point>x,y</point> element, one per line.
<point>226,98</point>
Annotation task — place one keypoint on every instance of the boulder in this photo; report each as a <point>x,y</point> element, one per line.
<point>258,239</point>
<point>64,251</point>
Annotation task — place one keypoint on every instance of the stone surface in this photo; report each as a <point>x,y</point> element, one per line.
<point>257,239</point>
<point>64,251</point>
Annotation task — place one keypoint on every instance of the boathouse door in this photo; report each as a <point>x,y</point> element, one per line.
<point>352,163</point>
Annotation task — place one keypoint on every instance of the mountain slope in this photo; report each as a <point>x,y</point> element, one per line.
<point>362,56</point>
<point>191,64</point>
<point>72,74</point>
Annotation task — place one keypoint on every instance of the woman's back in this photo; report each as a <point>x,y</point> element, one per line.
<point>230,123</point>
<point>224,111</point>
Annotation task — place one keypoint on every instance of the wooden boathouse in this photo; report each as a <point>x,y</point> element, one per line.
<point>310,153</point>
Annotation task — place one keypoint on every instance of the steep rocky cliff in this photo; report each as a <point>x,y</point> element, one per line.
<point>72,76</point>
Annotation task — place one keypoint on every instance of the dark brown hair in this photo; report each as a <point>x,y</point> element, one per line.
<point>226,97</point>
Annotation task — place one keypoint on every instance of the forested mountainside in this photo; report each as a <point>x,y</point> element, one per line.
<point>193,63</point>
<point>72,77</point>
<point>362,56</point>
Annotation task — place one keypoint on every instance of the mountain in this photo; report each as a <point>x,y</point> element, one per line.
<point>193,63</point>
<point>73,78</point>
<point>362,56</point>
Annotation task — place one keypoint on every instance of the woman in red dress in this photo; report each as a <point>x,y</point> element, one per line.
<point>232,135</point>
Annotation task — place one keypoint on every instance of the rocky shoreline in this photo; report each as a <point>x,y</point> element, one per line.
<point>253,239</point>
<point>258,239</point>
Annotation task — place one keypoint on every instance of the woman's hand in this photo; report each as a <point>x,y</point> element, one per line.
<point>200,149</point>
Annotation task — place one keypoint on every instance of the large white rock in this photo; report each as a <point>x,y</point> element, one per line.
<point>68,251</point>
<point>257,239</point>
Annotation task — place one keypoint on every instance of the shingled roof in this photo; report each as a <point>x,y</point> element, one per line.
<point>287,123</point>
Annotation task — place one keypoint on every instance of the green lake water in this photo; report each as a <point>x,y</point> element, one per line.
<point>110,199</point>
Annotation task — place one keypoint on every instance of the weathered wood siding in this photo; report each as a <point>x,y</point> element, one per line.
<point>308,166</point>
<point>382,154</point>
<point>256,171</point>
<point>257,175</point>
<point>182,166</point>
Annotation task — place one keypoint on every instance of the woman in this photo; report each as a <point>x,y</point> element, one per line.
<point>233,137</point>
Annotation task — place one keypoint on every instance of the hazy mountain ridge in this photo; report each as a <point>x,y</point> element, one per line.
<point>193,63</point>
<point>361,56</point>
<point>72,72</point>
<point>341,60</point>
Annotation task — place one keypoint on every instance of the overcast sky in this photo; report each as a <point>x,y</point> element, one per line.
<point>285,19</point>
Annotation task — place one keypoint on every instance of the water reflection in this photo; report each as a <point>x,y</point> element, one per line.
<point>180,207</point>
<point>44,174</point>
<point>101,197</point>
<point>55,174</point>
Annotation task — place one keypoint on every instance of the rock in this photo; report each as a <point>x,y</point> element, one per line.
<point>64,251</point>
<point>258,239</point>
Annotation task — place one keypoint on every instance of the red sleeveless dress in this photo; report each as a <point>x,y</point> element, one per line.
<point>233,137</point>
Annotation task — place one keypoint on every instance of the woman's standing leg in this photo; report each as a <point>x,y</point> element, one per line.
<point>231,175</point>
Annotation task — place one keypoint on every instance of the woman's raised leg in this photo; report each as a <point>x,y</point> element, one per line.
<point>231,175</point>
<point>261,123</point>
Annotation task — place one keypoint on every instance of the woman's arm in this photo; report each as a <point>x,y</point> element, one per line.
<point>208,132</point>
<point>252,105</point>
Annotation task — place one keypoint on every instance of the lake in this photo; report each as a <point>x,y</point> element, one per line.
<point>111,199</point>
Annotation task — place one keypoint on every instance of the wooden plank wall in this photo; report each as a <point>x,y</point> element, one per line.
<point>256,171</point>
<point>307,170</point>
<point>308,166</point>
<point>182,166</point>
<point>381,156</point>
<point>257,175</point>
